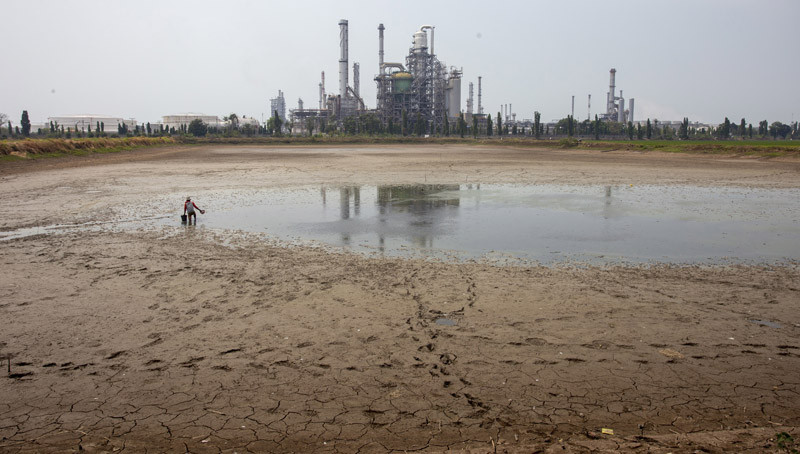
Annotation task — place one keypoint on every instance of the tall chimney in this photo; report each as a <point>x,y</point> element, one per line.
<point>343,60</point>
<point>470,100</point>
<point>611,91</point>
<point>573,107</point>
<point>480,93</point>
<point>381,28</point>
<point>356,79</point>
<point>630,110</point>
<point>589,109</point>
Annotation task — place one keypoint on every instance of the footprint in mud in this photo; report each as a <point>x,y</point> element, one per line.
<point>447,358</point>
<point>116,354</point>
<point>192,362</point>
<point>427,347</point>
<point>537,341</point>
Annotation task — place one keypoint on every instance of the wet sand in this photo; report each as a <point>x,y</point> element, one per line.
<point>205,342</point>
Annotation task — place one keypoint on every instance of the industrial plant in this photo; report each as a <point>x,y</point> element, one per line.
<point>615,105</point>
<point>419,93</point>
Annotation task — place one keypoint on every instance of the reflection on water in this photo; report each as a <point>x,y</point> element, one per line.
<point>543,223</point>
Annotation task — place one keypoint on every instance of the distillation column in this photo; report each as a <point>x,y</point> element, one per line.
<point>343,60</point>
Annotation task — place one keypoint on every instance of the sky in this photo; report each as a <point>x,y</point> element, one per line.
<point>701,59</point>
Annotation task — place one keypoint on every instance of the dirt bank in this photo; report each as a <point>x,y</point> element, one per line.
<point>165,341</point>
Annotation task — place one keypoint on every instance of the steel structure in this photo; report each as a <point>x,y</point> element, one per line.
<point>422,90</point>
<point>615,105</point>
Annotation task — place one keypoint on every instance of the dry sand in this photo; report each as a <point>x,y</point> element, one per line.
<point>145,342</point>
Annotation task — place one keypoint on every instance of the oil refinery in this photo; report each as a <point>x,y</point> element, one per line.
<point>421,89</point>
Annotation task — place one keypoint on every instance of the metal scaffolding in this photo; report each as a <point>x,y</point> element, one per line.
<point>420,89</point>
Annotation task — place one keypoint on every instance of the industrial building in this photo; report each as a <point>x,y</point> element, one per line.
<point>184,119</point>
<point>615,105</point>
<point>422,89</point>
<point>278,104</point>
<point>86,122</point>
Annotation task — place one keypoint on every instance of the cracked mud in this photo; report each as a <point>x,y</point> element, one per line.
<point>195,341</point>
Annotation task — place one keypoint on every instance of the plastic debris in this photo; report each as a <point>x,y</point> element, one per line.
<point>607,431</point>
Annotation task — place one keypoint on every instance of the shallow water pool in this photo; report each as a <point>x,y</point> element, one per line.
<point>540,223</point>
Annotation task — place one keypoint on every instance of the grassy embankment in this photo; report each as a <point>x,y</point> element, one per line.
<point>43,148</point>
<point>52,148</point>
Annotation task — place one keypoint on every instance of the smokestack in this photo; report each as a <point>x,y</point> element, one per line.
<point>380,48</point>
<point>343,59</point>
<point>356,79</point>
<point>480,93</point>
<point>611,91</point>
<point>470,100</point>
<point>573,107</point>
<point>510,110</point>
<point>323,88</point>
<point>300,104</point>
<point>630,110</point>
<point>621,112</point>
<point>589,109</point>
<point>320,96</point>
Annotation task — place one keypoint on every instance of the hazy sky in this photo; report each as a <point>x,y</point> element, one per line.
<point>704,59</point>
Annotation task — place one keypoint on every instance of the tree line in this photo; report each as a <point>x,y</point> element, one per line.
<point>369,123</point>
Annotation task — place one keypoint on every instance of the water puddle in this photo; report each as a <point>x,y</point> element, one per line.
<point>766,323</point>
<point>534,223</point>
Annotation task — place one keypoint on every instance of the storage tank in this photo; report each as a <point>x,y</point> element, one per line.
<point>401,82</point>
<point>453,98</point>
<point>420,41</point>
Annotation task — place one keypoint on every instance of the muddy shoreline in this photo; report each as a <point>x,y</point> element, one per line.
<point>194,342</point>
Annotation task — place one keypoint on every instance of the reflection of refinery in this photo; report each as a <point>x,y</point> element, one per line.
<point>423,212</point>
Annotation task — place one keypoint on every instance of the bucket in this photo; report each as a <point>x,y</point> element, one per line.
<point>183,218</point>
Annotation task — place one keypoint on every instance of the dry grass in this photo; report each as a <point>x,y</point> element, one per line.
<point>58,147</point>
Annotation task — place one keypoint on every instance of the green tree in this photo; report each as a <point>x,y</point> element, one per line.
<point>25,122</point>
<point>742,129</point>
<point>197,128</point>
<point>10,131</point>
<point>499,124</point>
<point>149,130</point>
<point>649,130</point>
<point>631,130</point>
<point>750,130</point>
<point>404,126</point>
<point>537,124</point>
<point>390,127</point>
<point>489,125</point>
<point>462,125</point>
<point>102,126</point>
<point>514,130</point>
<point>418,129</point>
<point>277,124</point>
<point>447,126</point>
<point>724,130</point>
<point>639,131</point>
<point>683,131</point>
<point>474,127</point>
<point>779,129</point>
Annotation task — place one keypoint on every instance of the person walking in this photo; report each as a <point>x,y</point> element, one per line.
<point>189,208</point>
